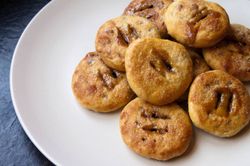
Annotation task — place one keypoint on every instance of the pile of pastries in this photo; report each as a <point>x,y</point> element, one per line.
<point>159,56</point>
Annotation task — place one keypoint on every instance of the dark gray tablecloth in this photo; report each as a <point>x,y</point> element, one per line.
<point>15,146</point>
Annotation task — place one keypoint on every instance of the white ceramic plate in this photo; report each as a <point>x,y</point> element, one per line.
<point>43,63</point>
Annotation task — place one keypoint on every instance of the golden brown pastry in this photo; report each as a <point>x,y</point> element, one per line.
<point>159,71</point>
<point>218,103</point>
<point>152,10</point>
<point>114,37</point>
<point>196,23</point>
<point>99,88</point>
<point>199,64</point>
<point>157,132</point>
<point>232,54</point>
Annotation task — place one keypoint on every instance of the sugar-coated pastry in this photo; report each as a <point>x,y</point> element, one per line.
<point>159,71</point>
<point>232,55</point>
<point>219,103</point>
<point>152,10</point>
<point>199,64</point>
<point>98,87</point>
<point>114,37</point>
<point>157,132</point>
<point>196,23</point>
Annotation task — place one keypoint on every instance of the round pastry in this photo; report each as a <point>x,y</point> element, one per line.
<point>196,23</point>
<point>114,37</point>
<point>157,132</point>
<point>99,88</point>
<point>239,33</point>
<point>152,10</point>
<point>232,54</point>
<point>219,103</point>
<point>199,64</point>
<point>159,71</point>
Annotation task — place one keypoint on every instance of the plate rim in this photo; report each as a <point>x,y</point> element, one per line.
<point>24,125</point>
<point>12,93</point>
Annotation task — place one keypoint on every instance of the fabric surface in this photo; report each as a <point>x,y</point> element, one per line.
<point>15,146</point>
